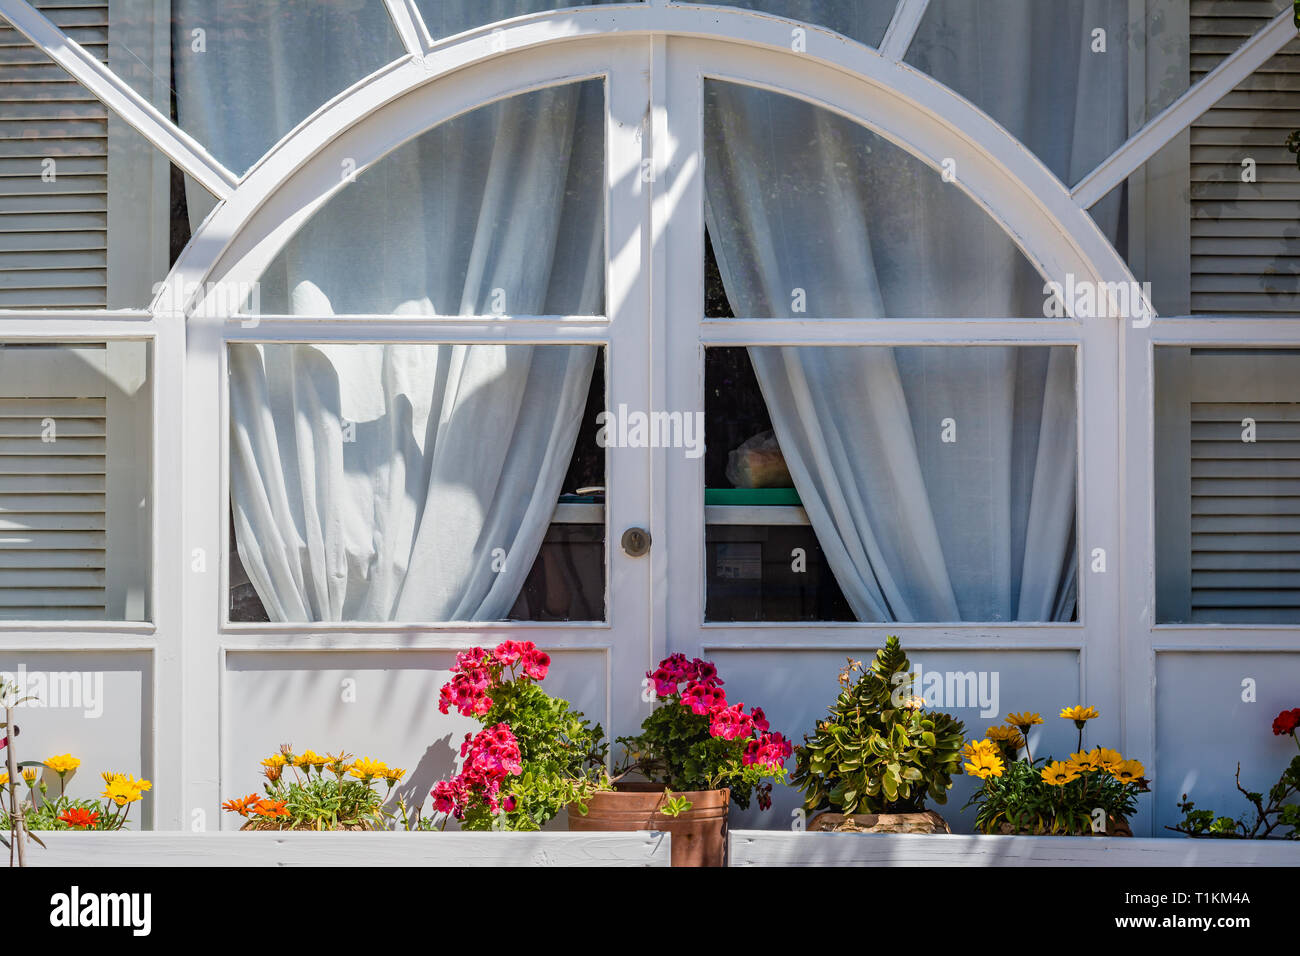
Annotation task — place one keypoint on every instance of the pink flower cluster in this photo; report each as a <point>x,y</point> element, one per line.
<point>477,671</point>
<point>490,756</point>
<point>702,693</point>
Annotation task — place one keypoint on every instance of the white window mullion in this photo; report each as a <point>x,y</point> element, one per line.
<point>682,299</point>
<point>629,379</point>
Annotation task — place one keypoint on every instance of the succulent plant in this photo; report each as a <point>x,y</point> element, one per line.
<point>879,751</point>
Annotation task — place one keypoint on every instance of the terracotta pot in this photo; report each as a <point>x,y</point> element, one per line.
<point>926,822</point>
<point>699,835</point>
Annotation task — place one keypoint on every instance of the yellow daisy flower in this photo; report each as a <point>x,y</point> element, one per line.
<point>974,748</point>
<point>1128,771</point>
<point>394,774</point>
<point>275,760</point>
<point>63,764</point>
<point>1084,762</point>
<point>984,765</point>
<point>366,769</point>
<point>1058,773</point>
<point>121,792</point>
<point>29,775</point>
<point>1107,758</point>
<point>1005,735</point>
<point>1023,722</point>
<point>1080,714</point>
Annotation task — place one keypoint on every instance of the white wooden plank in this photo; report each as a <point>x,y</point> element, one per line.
<point>125,849</point>
<point>776,848</point>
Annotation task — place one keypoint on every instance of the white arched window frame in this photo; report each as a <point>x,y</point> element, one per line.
<point>654,57</point>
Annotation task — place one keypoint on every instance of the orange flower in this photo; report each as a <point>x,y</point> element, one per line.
<point>241,806</point>
<point>270,808</point>
<point>80,817</point>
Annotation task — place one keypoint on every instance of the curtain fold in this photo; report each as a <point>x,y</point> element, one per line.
<point>414,482</point>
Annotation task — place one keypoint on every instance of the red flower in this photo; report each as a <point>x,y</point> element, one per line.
<point>1286,722</point>
<point>80,817</point>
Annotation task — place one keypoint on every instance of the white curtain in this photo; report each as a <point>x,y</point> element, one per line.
<point>405,482</point>
<point>813,216</point>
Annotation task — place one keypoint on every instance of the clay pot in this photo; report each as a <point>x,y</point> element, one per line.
<point>699,835</point>
<point>927,822</point>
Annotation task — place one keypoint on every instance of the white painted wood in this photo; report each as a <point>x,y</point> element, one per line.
<point>409,26</point>
<point>1180,114</point>
<point>772,848</point>
<point>902,29</point>
<point>127,849</point>
<point>181,148</point>
<point>937,331</point>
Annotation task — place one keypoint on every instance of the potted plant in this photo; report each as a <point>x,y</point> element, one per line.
<point>871,765</point>
<point>1092,793</point>
<point>311,791</point>
<point>1272,814</point>
<point>40,812</point>
<point>535,755</point>
<point>696,754</point>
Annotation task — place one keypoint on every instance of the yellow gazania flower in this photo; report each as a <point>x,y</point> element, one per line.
<point>1058,773</point>
<point>63,764</point>
<point>1107,758</point>
<point>975,748</point>
<point>394,774</point>
<point>1080,715</point>
<point>141,785</point>
<point>984,765</point>
<point>1128,771</point>
<point>4,779</point>
<point>29,775</point>
<point>1084,762</point>
<point>109,776</point>
<point>366,769</point>
<point>275,760</point>
<point>1023,722</point>
<point>1005,735</point>
<point>121,792</point>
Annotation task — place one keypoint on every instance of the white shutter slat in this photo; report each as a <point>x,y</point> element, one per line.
<point>1245,513</point>
<point>1245,256</point>
<point>57,231</point>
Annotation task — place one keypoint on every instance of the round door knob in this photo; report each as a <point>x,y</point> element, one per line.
<point>636,542</point>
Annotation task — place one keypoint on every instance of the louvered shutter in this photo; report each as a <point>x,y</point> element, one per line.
<point>1228,508</point>
<point>53,233</point>
<point>1244,251</point>
<point>53,467</point>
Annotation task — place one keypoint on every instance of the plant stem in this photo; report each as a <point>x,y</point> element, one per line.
<point>17,830</point>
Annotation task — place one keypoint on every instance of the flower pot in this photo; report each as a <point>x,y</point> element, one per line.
<point>926,822</point>
<point>699,835</point>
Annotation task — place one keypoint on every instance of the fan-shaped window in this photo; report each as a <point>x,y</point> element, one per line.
<point>496,212</point>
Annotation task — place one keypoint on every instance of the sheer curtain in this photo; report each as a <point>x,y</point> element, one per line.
<point>416,482</point>
<point>808,211</point>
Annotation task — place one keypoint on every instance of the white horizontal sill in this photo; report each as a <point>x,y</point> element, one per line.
<point>306,848</point>
<point>782,848</point>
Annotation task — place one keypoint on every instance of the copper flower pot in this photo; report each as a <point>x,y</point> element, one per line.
<point>699,835</point>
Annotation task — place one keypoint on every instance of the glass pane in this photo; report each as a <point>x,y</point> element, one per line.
<point>246,72</point>
<point>1040,69</point>
<point>364,488</point>
<point>925,484</point>
<point>810,215</point>
<point>446,18</point>
<point>861,20</point>
<point>1210,220</point>
<point>91,214</point>
<point>1073,79</point>
<point>1227,486</point>
<point>498,211</point>
<point>75,503</point>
